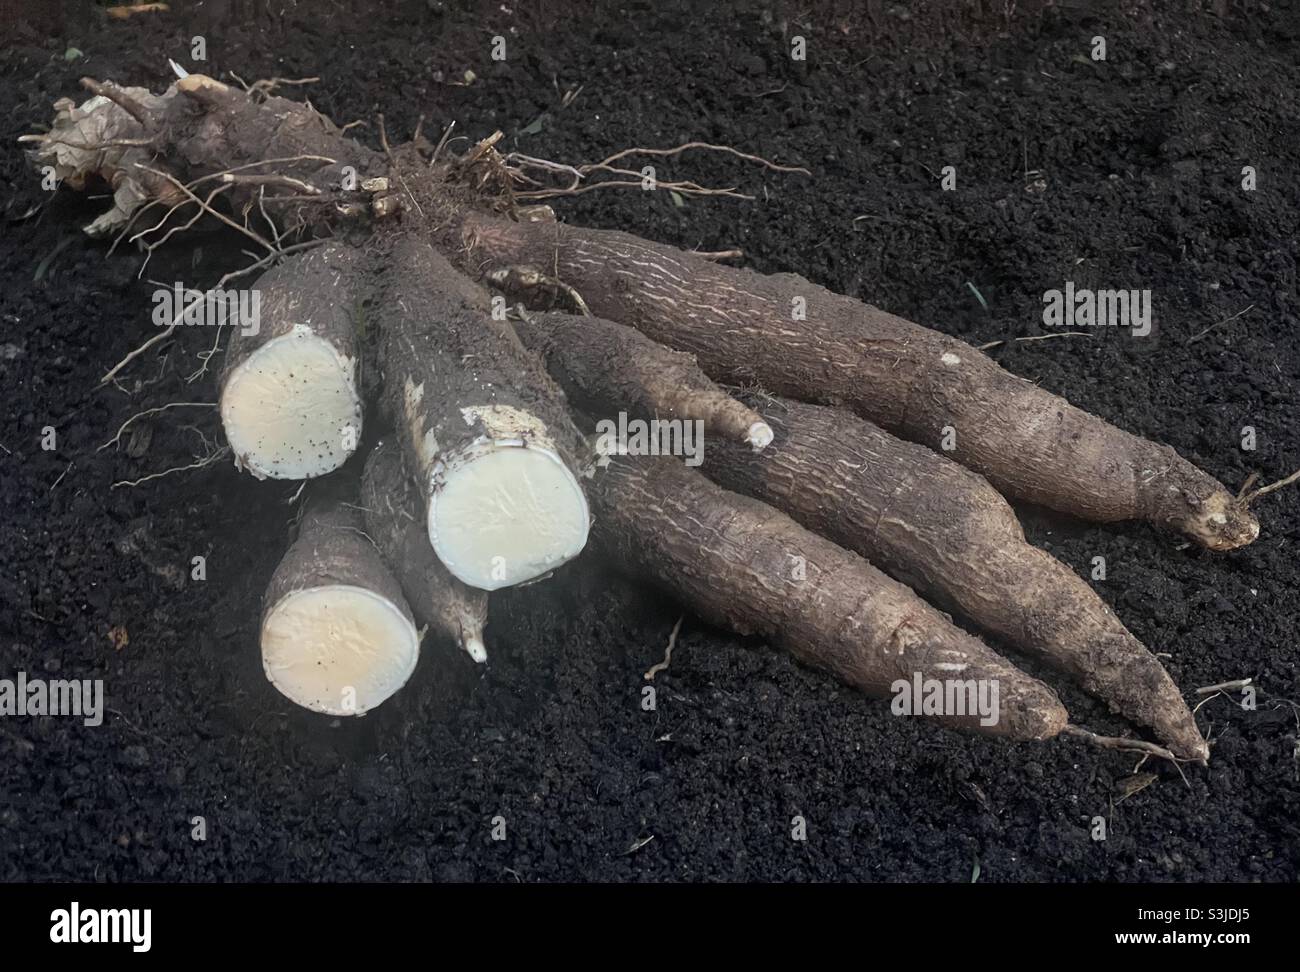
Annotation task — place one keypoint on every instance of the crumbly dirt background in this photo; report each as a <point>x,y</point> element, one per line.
<point>1118,174</point>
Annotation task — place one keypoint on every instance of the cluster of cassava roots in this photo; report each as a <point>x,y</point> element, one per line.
<point>819,518</point>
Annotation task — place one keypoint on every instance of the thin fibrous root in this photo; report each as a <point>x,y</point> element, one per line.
<point>1121,744</point>
<point>207,460</point>
<point>220,176</point>
<point>176,322</point>
<point>662,666</point>
<point>1236,683</point>
<point>519,165</point>
<point>216,214</point>
<point>1246,496</point>
<point>267,86</point>
<point>151,411</point>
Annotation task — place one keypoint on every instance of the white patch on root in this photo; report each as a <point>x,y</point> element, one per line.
<point>759,436</point>
<point>426,443</point>
<point>507,422</point>
<point>475,647</point>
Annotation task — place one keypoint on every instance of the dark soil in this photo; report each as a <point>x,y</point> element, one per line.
<point>1123,173</point>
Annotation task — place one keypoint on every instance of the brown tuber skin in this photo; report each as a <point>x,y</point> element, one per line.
<point>911,380</point>
<point>947,534</point>
<point>734,559</point>
<point>283,157</point>
<point>935,526</point>
<point>270,155</point>
<point>602,364</point>
<point>216,127</point>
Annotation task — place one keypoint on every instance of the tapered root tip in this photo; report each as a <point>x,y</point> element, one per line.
<point>1047,720</point>
<point>474,647</point>
<point>759,436</point>
<point>1221,523</point>
<point>1185,741</point>
<point>1030,712</point>
<point>1138,688</point>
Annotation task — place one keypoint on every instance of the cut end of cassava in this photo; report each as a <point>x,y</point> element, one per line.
<point>759,436</point>
<point>338,649</point>
<point>505,512</point>
<point>291,410</point>
<point>1220,523</point>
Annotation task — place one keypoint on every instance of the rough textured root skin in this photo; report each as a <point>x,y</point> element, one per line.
<point>600,365</point>
<point>909,379</point>
<point>248,130</point>
<point>332,551</point>
<point>946,533</point>
<point>732,560</point>
<point>394,521</point>
<point>457,380</point>
<point>218,127</point>
<point>312,295</point>
<point>209,128</point>
<point>200,127</point>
